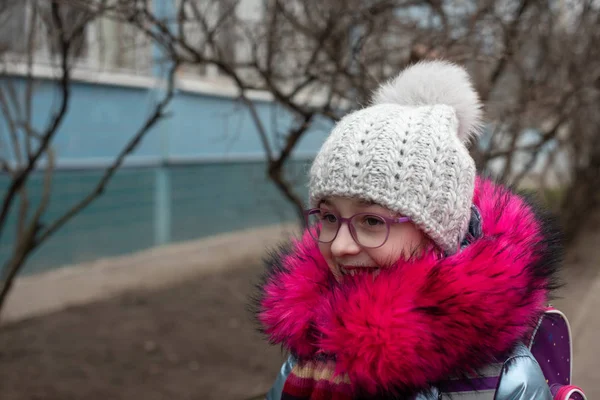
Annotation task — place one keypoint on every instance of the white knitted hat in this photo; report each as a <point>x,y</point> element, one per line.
<point>407,151</point>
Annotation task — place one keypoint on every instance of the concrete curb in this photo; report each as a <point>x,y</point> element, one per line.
<point>150,269</point>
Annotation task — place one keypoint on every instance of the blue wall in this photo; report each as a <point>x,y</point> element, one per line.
<point>102,118</point>
<point>198,173</point>
<point>205,199</point>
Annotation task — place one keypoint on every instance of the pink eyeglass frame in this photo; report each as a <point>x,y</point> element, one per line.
<point>342,220</point>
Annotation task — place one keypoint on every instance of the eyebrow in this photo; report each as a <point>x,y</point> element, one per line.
<point>361,202</point>
<point>325,201</point>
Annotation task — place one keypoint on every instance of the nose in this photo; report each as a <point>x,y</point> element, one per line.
<point>344,243</point>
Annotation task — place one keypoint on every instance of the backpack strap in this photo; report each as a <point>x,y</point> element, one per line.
<point>551,346</point>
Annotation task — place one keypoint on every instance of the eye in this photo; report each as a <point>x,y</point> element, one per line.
<point>328,217</point>
<point>372,220</point>
<point>369,224</point>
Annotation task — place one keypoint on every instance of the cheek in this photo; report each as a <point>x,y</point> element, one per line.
<point>386,255</point>
<point>326,253</point>
<point>325,249</point>
<point>402,242</point>
<point>413,237</point>
<point>406,236</point>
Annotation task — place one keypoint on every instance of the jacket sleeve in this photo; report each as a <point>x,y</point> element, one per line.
<point>277,388</point>
<point>522,378</point>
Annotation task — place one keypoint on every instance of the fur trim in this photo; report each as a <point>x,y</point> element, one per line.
<point>420,321</point>
<point>436,82</point>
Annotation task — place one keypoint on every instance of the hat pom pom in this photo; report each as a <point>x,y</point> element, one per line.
<point>436,82</point>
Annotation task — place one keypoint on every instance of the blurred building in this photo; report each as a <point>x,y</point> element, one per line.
<point>198,173</point>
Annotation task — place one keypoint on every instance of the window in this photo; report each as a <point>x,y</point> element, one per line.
<point>100,44</point>
<point>229,19</point>
<point>227,35</point>
<point>75,23</point>
<point>119,47</point>
<point>13,32</point>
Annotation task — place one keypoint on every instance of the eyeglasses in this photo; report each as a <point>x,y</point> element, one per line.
<point>367,229</point>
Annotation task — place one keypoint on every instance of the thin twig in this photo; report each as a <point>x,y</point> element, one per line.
<point>52,128</point>
<point>31,36</point>
<point>157,115</point>
<point>259,126</point>
<point>11,125</point>
<point>510,36</point>
<point>25,242</point>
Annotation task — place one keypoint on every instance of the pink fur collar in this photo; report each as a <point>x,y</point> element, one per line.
<point>422,321</point>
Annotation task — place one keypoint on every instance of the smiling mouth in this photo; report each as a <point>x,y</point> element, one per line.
<point>358,270</point>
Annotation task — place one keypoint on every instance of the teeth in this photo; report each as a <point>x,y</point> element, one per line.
<point>359,271</point>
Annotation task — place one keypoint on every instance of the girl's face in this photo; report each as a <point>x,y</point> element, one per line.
<point>345,256</point>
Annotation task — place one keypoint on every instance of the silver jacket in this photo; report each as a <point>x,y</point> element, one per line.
<point>520,379</point>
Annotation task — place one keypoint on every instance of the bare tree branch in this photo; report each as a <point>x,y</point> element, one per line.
<point>323,58</point>
<point>50,132</point>
<point>12,125</point>
<point>259,126</point>
<point>276,167</point>
<point>31,232</point>
<point>157,114</point>
<point>29,77</point>
<point>510,36</point>
<point>27,231</point>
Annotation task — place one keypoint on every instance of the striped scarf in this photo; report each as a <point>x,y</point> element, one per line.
<point>315,380</point>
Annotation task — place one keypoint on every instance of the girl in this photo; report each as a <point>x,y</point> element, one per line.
<point>413,273</point>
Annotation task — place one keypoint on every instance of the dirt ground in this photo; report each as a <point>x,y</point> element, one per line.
<point>193,341</point>
<point>198,341</point>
